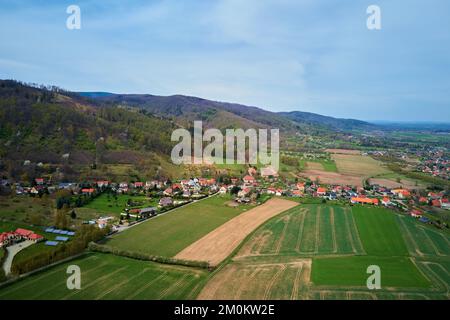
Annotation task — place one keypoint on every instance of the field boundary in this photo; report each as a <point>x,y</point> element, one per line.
<point>146,257</point>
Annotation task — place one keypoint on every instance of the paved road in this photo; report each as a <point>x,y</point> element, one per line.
<point>12,251</point>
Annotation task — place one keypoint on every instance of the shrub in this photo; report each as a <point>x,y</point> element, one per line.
<point>146,257</point>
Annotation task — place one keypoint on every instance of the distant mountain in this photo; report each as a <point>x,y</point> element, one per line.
<point>334,123</point>
<point>186,109</point>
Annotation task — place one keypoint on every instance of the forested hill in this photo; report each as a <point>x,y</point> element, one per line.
<point>53,127</point>
<point>185,109</point>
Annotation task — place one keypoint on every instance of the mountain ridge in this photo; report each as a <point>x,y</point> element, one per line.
<point>195,108</point>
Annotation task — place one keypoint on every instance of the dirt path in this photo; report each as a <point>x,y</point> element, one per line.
<point>220,243</point>
<point>12,251</point>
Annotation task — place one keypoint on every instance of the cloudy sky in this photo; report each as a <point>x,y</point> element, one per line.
<point>281,55</point>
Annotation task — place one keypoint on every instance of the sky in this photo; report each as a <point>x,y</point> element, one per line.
<point>280,55</point>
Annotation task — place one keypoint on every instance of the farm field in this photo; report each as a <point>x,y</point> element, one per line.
<point>358,165</point>
<point>379,232</point>
<point>328,166</point>
<point>280,261</point>
<point>110,277</point>
<point>422,240</point>
<point>168,234</point>
<point>351,272</point>
<point>306,230</point>
<point>220,243</point>
<point>260,281</point>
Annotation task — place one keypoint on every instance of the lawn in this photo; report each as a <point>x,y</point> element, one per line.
<point>105,276</point>
<point>397,272</point>
<point>108,204</point>
<point>168,234</point>
<point>379,232</point>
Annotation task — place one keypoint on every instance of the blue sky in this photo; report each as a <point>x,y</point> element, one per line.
<point>281,55</point>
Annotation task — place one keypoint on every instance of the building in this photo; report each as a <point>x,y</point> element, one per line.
<point>248,179</point>
<point>269,172</point>
<point>321,191</point>
<point>416,213</point>
<point>401,193</point>
<point>359,200</point>
<point>166,201</point>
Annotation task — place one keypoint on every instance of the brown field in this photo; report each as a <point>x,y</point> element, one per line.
<point>260,281</point>
<point>220,243</point>
<point>314,166</point>
<point>391,184</point>
<point>352,167</point>
<point>343,151</point>
<point>332,177</point>
<point>357,165</point>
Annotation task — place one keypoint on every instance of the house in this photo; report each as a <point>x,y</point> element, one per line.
<point>138,184</point>
<point>223,189</point>
<point>147,212</point>
<point>301,186</point>
<point>103,183</point>
<point>445,205</point>
<point>386,201</point>
<point>35,237</point>
<point>248,179</point>
<point>360,200</point>
<point>168,192</point>
<point>297,193</point>
<point>436,203</point>
<point>166,201</point>
<point>87,191</point>
<point>271,190</point>
<point>123,185</point>
<point>39,181</point>
<point>423,200</point>
<point>269,172</point>
<point>321,191</point>
<point>401,193</point>
<point>416,213</point>
<point>186,193</point>
<point>244,192</point>
<point>234,180</point>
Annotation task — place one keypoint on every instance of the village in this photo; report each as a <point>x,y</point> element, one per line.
<point>250,188</point>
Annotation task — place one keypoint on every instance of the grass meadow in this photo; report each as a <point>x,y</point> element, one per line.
<point>105,276</point>
<point>168,234</point>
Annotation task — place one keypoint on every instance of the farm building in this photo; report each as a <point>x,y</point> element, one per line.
<point>359,200</point>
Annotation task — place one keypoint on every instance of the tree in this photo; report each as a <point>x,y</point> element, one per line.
<point>73,214</point>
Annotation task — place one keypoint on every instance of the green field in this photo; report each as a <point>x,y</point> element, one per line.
<point>325,237</point>
<point>397,272</point>
<point>105,276</point>
<point>313,251</point>
<point>307,230</point>
<point>108,204</point>
<point>422,240</point>
<point>379,231</point>
<point>168,234</point>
